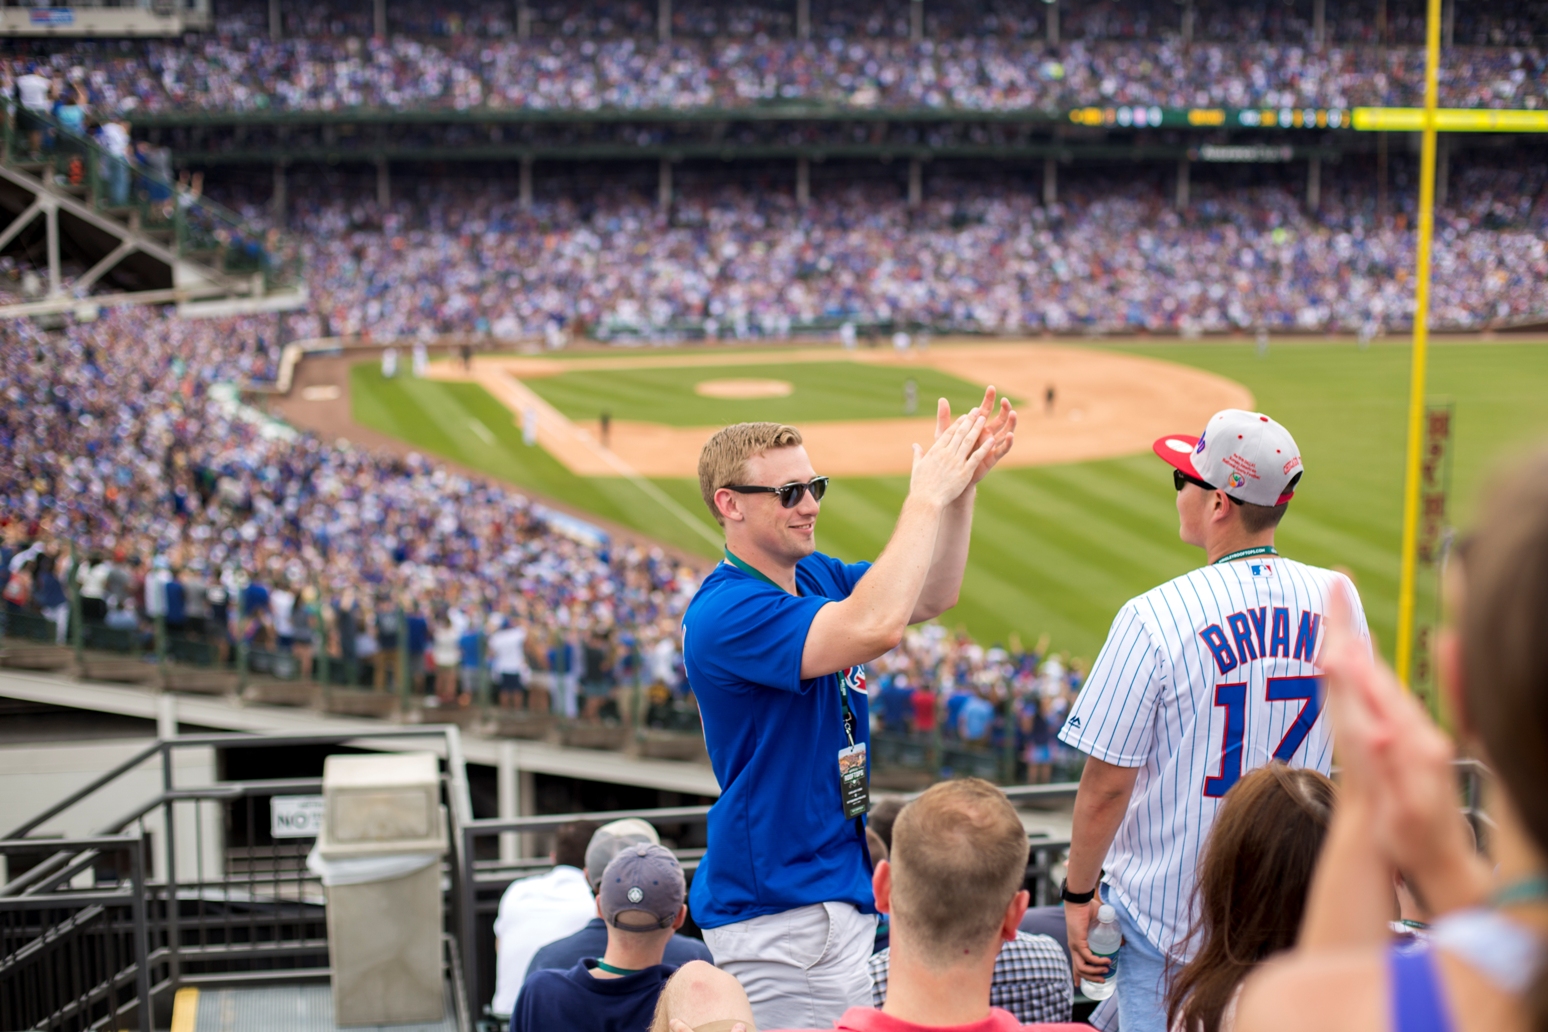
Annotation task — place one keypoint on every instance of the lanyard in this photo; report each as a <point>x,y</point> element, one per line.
<point>1245,553</point>
<point>752,571</point>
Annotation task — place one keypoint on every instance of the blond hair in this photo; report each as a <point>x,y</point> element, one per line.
<point>959,856</point>
<point>724,459</point>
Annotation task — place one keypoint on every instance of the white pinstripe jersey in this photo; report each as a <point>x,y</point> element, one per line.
<point>1201,679</point>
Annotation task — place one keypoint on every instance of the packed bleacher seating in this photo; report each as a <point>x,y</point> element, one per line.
<point>983,254</point>
<point>582,73</point>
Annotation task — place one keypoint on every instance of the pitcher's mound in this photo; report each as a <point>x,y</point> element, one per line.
<point>743,389</point>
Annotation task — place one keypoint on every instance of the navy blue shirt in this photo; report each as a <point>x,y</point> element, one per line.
<point>591,942</point>
<point>778,837</point>
<point>577,1001</point>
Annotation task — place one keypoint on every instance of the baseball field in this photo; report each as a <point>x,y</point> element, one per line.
<point>1080,518</point>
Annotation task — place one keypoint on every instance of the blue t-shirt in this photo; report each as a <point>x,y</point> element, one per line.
<point>576,1001</point>
<point>778,838</point>
<point>591,941</point>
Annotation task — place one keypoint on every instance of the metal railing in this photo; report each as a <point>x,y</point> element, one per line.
<point>102,926</point>
<point>191,226</point>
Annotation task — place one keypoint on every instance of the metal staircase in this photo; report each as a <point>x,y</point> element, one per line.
<point>87,228</point>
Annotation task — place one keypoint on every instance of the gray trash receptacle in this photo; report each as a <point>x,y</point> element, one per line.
<point>378,853</point>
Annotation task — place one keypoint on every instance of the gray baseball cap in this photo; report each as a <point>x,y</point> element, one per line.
<point>642,889</point>
<point>610,840</point>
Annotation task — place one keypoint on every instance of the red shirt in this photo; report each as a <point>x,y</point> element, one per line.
<point>924,710</point>
<point>864,1019</point>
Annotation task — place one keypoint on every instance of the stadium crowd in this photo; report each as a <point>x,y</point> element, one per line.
<point>181,503</point>
<point>984,254</point>
<point>992,74</point>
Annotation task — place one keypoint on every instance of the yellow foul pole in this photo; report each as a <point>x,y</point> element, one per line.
<point>1403,654</point>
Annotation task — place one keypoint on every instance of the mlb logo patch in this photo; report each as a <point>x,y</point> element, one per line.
<point>1261,569</point>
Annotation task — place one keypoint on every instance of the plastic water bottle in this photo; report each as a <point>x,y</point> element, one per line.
<point>1104,942</point>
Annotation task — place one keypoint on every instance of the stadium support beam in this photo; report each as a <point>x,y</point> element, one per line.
<point>51,223</point>
<point>523,20</point>
<point>1187,21</point>
<point>1313,183</point>
<point>383,184</point>
<point>803,182</point>
<point>916,20</point>
<point>664,185</point>
<point>663,20</point>
<point>1053,22</point>
<point>379,17</point>
<point>1319,22</point>
<point>1050,182</point>
<point>1449,23</point>
<point>278,200</point>
<point>524,188</point>
<point>1180,199</point>
<point>915,182</point>
<point>276,24</point>
<point>803,19</point>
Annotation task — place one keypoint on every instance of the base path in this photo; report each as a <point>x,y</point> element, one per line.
<point>1106,404</point>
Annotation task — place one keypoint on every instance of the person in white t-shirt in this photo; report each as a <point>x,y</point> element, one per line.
<point>537,911</point>
<point>1202,679</point>
<point>35,94</point>
<point>508,663</point>
<point>114,137</point>
<point>282,607</point>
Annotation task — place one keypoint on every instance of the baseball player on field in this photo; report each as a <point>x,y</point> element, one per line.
<point>1201,680</point>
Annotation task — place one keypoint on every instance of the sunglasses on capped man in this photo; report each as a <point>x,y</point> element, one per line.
<point>1181,480</point>
<point>789,494</point>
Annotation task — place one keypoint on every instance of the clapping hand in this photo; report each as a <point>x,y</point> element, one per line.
<point>1399,764</point>
<point>1001,429</point>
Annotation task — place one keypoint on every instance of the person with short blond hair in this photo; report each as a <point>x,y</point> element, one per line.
<point>775,643</point>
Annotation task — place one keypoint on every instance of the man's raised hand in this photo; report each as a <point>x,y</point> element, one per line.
<point>945,471</point>
<point>999,427</point>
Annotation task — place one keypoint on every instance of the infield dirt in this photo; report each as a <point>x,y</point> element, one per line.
<point>1107,404</point>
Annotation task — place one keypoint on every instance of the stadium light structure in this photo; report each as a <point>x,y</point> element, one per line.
<point>1408,570</point>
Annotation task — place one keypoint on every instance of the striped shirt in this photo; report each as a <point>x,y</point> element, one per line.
<point>1201,679</point>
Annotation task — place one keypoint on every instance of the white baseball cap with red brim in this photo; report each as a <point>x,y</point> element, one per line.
<point>1245,454</point>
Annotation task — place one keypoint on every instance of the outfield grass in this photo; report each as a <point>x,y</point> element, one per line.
<point>1059,548</point>
<point>821,391</point>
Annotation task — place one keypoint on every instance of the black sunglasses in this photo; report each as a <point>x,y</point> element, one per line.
<point>789,494</point>
<point>1180,479</point>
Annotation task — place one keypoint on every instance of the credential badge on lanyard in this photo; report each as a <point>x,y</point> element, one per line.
<point>854,786</point>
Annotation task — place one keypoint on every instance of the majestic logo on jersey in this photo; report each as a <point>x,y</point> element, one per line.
<point>1074,722</point>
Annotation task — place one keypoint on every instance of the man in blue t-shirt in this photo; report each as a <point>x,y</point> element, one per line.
<point>641,899</point>
<point>774,645</point>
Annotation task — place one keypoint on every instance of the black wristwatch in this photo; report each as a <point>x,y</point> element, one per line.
<point>1075,897</point>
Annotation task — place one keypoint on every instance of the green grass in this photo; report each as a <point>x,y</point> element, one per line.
<point>821,391</point>
<point>1059,548</point>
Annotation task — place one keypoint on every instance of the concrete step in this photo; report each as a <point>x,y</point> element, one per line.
<point>198,680</point>
<point>611,737</point>
<point>532,727</point>
<point>270,692</point>
<point>32,656</point>
<point>355,702</point>
<point>117,668</point>
<point>672,745</point>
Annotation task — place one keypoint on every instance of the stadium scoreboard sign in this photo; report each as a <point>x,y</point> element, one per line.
<point>1140,116</point>
<point>1364,119</point>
